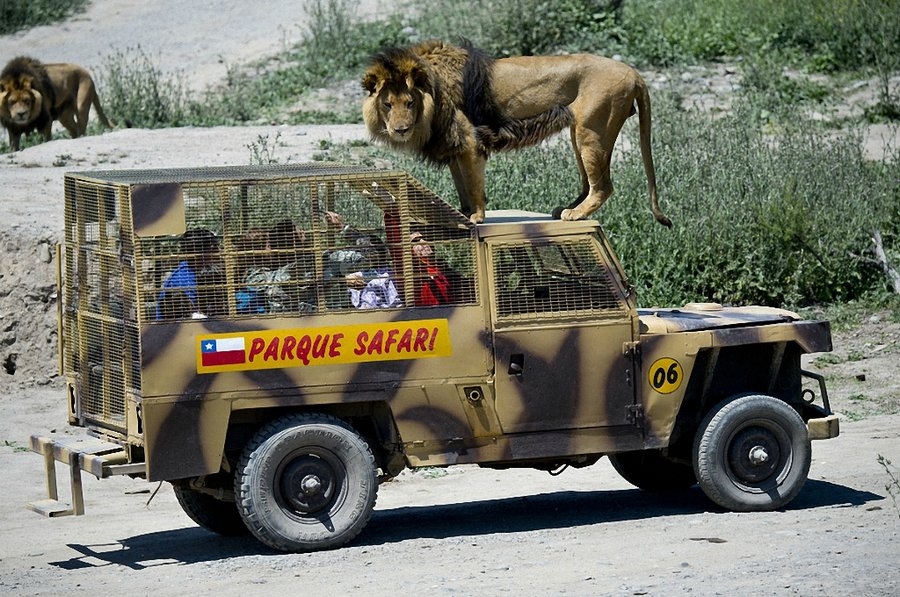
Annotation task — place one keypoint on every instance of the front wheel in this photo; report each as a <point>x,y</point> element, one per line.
<point>752,454</point>
<point>306,482</point>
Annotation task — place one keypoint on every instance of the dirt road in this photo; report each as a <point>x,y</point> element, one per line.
<point>469,531</point>
<point>464,531</point>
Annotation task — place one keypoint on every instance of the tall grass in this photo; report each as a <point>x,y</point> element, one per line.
<point>22,14</point>
<point>773,217</point>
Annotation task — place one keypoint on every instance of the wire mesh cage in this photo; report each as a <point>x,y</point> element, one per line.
<point>554,278</point>
<point>155,246</point>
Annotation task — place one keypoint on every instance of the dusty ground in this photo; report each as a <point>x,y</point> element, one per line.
<point>464,531</point>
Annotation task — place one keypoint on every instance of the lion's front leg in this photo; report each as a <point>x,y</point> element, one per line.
<point>467,170</point>
<point>15,140</point>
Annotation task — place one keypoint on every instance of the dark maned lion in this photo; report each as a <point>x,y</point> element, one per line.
<point>26,99</point>
<point>454,105</point>
<point>33,95</point>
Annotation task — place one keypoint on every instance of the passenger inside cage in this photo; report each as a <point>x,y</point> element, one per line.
<point>433,279</point>
<point>281,279</point>
<point>364,263</point>
<point>200,270</point>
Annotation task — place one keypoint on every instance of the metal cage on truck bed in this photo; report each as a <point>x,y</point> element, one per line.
<point>125,231</point>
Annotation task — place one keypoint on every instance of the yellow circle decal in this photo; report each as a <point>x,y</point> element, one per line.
<point>665,375</point>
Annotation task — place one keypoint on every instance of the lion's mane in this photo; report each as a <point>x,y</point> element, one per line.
<point>26,76</point>
<point>454,82</point>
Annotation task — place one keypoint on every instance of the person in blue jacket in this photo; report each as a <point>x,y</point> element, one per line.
<point>179,296</point>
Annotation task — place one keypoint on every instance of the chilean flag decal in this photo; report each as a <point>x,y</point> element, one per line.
<point>223,351</point>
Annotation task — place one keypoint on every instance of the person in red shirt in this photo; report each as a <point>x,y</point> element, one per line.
<point>434,287</point>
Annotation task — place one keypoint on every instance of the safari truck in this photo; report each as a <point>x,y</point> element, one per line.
<point>340,325</point>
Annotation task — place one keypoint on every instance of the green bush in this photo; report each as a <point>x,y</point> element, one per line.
<point>22,14</point>
<point>765,216</point>
<point>137,93</point>
<point>822,34</point>
<point>776,217</point>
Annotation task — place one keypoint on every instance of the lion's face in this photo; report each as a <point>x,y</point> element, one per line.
<point>20,103</point>
<point>399,110</point>
<point>399,107</point>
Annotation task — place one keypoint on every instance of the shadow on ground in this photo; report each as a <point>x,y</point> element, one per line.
<point>562,509</point>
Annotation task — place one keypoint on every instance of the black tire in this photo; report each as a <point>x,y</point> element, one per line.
<point>752,454</point>
<point>213,515</point>
<point>306,482</point>
<point>651,471</point>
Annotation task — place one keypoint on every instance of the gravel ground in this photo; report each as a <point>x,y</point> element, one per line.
<point>463,531</point>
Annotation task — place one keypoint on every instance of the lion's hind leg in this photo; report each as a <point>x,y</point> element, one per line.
<point>593,152</point>
<point>67,119</point>
<point>82,110</point>
<point>585,183</point>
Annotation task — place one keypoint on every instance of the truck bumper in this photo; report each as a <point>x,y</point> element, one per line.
<point>824,427</point>
<point>100,458</point>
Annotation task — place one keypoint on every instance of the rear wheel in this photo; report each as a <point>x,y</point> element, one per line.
<point>651,471</point>
<point>213,515</point>
<point>752,454</point>
<point>306,482</point>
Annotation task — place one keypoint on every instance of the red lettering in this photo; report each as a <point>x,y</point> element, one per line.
<point>375,346</point>
<point>421,337</point>
<point>256,347</point>
<point>361,343</point>
<point>272,350</point>
<point>319,346</point>
<point>287,349</point>
<point>405,343</point>
<point>335,349</point>
<point>391,339</point>
<point>434,334</point>
<point>303,347</point>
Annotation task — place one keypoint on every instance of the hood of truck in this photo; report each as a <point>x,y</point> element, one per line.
<point>709,316</point>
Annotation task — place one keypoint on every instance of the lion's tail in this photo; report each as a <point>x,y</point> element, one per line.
<point>100,113</point>
<point>644,119</point>
<point>524,132</point>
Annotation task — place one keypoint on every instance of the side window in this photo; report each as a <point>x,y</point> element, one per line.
<point>552,278</point>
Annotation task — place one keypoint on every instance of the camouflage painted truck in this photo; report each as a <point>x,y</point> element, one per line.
<point>276,403</point>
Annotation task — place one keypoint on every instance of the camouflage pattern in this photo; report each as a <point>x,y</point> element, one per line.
<point>538,357</point>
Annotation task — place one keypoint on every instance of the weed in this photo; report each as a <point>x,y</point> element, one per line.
<point>261,152</point>
<point>893,483</point>
<point>826,359</point>
<point>433,472</point>
<point>15,446</point>
<point>856,355</point>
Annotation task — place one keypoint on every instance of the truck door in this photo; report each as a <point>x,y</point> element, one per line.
<point>562,328</point>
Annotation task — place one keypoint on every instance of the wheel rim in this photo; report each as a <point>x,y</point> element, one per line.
<point>310,482</point>
<point>758,455</point>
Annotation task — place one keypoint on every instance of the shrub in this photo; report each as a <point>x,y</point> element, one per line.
<point>776,219</point>
<point>22,14</point>
<point>138,93</point>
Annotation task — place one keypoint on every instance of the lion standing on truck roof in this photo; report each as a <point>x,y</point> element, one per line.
<point>454,105</point>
